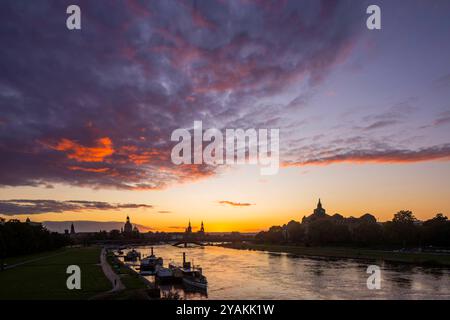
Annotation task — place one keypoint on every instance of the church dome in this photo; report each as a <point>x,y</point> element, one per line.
<point>128,228</point>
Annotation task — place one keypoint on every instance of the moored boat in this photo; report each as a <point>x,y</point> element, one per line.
<point>166,275</point>
<point>132,255</point>
<point>191,276</point>
<point>151,264</point>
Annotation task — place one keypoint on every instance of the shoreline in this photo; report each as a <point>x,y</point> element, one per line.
<point>422,259</point>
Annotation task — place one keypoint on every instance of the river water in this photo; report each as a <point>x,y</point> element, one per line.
<point>242,274</point>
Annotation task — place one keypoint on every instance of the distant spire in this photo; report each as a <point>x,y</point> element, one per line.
<point>319,205</point>
<point>189,228</point>
<point>72,229</point>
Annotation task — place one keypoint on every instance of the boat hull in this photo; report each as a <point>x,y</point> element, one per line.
<point>195,284</point>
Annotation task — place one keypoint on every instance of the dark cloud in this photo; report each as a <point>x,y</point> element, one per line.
<point>235,204</point>
<point>381,124</point>
<point>440,152</point>
<point>29,207</point>
<point>96,107</point>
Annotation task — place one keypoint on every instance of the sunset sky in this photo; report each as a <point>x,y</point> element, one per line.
<point>86,115</point>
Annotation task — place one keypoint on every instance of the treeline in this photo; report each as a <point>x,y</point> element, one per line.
<point>404,230</point>
<point>18,238</point>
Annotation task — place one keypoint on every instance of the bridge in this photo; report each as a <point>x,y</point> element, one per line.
<point>184,243</point>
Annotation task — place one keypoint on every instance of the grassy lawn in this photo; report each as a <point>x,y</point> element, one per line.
<point>129,278</point>
<point>353,253</point>
<point>18,259</point>
<point>46,278</point>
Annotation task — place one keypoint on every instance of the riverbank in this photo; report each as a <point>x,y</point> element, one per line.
<point>133,286</point>
<point>428,259</point>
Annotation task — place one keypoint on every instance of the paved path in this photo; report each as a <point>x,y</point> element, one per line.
<point>110,274</point>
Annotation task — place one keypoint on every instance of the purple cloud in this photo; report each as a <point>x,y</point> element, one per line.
<point>96,107</point>
<point>25,206</point>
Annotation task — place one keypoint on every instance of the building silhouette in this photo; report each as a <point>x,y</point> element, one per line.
<point>189,234</point>
<point>188,230</point>
<point>127,228</point>
<point>318,213</point>
<point>201,232</point>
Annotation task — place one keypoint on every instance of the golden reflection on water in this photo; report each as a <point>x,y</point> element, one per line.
<point>242,274</point>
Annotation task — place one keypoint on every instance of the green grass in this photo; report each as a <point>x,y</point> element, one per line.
<point>18,259</point>
<point>352,253</point>
<point>129,278</point>
<point>46,278</point>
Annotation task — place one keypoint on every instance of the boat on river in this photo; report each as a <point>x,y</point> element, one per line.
<point>166,275</point>
<point>191,276</point>
<point>194,279</point>
<point>151,264</point>
<point>132,255</point>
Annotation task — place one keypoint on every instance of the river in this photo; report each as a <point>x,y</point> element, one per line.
<point>241,274</point>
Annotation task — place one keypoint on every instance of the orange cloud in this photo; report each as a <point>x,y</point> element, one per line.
<point>146,157</point>
<point>102,149</point>
<point>99,170</point>
<point>139,157</point>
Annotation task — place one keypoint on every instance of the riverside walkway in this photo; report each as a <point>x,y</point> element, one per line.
<point>110,274</point>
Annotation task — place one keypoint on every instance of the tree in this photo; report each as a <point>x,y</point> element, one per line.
<point>274,235</point>
<point>404,216</point>
<point>367,233</point>
<point>18,238</point>
<point>436,231</point>
<point>326,231</point>
<point>295,231</point>
<point>403,229</point>
<point>438,219</point>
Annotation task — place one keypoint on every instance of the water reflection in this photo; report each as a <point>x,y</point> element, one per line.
<point>237,274</point>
